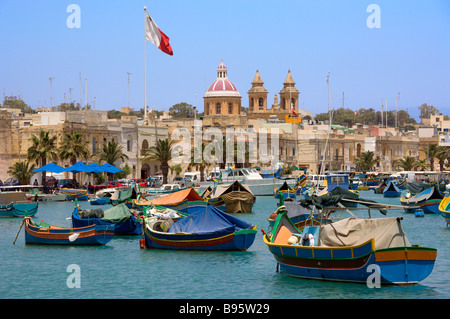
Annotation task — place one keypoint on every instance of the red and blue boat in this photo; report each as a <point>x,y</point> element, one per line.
<point>353,250</point>
<point>45,234</point>
<point>205,228</point>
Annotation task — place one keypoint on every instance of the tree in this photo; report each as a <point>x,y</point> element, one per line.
<point>443,154</point>
<point>22,171</point>
<point>43,148</point>
<point>366,161</point>
<point>162,153</point>
<point>422,165</point>
<point>177,168</point>
<point>110,152</point>
<point>426,110</point>
<point>202,165</point>
<point>182,110</point>
<point>407,163</point>
<point>432,151</point>
<point>73,146</point>
<point>13,102</point>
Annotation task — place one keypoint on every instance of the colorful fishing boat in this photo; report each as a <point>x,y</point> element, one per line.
<point>16,204</point>
<point>373,181</point>
<point>100,200</point>
<point>299,215</point>
<point>231,198</point>
<point>206,228</point>
<point>184,201</point>
<point>444,208</point>
<point>391,190</point>
<point>286,191</point>
<point>125,221</point>
<point>401,184</point>
<point>46,234</point>
<point>353,249</point>
<point>72,193</point>
<point>427,200</point>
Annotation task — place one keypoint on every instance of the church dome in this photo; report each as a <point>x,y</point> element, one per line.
<point>222,86</point>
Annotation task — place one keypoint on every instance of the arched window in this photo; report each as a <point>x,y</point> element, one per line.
<point>358,150</point>
<point>230,108</point>
<point>144,145</point>
<point>218,108</point>
<point>261,103</point>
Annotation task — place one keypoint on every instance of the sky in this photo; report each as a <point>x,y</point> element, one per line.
<point>372,55</point>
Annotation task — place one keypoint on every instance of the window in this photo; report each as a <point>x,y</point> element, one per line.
<point>144,145</point>
<point>94,145</point>
<point>230,108</point>
<point>129,146</point>
<point>261,103</point>
<point>218,108</point>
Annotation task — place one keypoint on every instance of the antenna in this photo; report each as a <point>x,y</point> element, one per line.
<point>128,89</point>
<point>51,79</point>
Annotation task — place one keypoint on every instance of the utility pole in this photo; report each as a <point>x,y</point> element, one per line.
<point>70,95</point>
<point>128,89</point>
<point>51,79</point>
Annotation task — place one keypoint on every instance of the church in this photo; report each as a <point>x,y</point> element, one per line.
<point>222,99</point>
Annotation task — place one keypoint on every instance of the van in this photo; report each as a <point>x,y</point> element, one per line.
<point>192,179</point>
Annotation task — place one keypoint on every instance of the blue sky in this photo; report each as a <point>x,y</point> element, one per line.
<point>409,53</point>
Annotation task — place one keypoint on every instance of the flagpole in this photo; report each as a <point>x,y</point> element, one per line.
<point>145,69</point>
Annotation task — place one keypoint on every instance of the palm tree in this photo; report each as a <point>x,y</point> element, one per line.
<point>422,165</point>
<point>73,146</point>
<point>407,163</point>
<point>194,162</point>
<point>443,154</point>
<point>162,153</point>
<point>22,171</point>
<point>43,148</point>
<point>110,153</point>
<point>366,161</point>
<point>432,151</point>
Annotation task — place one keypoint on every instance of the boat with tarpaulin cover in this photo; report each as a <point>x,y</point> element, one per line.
<point>46,234</point>
<point>124,220</point>
<point>184,201</point>
<point>16,204</point>
<point>427,200</point>
<point>205,228</point>
<point>231,198</point>
<point>347,250</point>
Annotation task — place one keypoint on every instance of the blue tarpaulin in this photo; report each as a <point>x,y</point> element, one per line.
<point>208,219</point>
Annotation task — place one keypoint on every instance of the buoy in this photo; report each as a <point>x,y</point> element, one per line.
<point>419,213</point>
<point>142,243</point>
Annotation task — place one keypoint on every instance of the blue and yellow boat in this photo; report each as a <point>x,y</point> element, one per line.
<point>73,193</point>
<point>286,191</point>
<point>350,250</point>
<point>427,200</point>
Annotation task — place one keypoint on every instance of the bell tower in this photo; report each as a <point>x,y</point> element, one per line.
<point>257,96</point>
<point>289,95</point>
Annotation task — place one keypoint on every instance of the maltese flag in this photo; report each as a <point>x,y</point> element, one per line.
<point>156,36</point>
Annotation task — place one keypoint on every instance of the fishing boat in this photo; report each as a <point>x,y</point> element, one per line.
<point>46,234</point>
<point>125,195</point>
<point>206,228</point>
<point>354,249</point>
<point>37,195</point>
<point>125,221</point>
<point>373,181</point>
<point>16,204</point>
<point>391,190</point>
<point>183,201</point>
<point>427,200</point>
<point>444,208</point>
<point>299,215</point>
<point>165,189</point>
<point>72,193</point>
<point>286,191</point>
<point>401,184</point>
<point>102,197</point>
<point>231,198</point>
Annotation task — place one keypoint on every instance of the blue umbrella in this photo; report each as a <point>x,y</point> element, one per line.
<point>95,168</point>
<point>108,168</point>
<point>78,167</point>
<point>51,168</point>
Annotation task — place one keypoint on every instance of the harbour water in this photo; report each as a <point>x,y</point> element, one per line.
<point>121,270</point>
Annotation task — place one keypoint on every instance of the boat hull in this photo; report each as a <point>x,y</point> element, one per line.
<point>78,194</point>
<point>19,209</point>
<point>240,240</point>
<point>444,208</point>
<point>391,194</point>
<point>395,266</point>
<point>90,235</point>
<point>428,207</point>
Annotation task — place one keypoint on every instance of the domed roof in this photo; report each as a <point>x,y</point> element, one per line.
<point>222,86</point>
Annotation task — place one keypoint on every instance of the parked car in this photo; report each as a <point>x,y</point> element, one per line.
<point>12,181</point>
<point>108,185</point>
<point>66,183</point>
<point>179,180</point>
<point>140,181</point>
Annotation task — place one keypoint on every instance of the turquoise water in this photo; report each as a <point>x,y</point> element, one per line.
<point>121,270</point>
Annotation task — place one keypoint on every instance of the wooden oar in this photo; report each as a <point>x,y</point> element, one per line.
<point>23,220</point>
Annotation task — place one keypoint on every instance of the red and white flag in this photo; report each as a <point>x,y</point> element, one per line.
<point>356,113</point>
<point>156,36</point>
